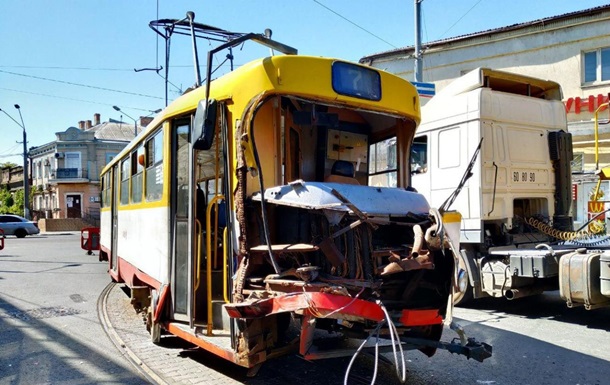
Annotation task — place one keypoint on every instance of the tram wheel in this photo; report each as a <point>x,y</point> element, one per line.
<point>154,328</point>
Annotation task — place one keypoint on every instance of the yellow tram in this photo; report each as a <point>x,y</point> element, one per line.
<point>274,203</point>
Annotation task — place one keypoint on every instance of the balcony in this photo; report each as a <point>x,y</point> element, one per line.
<point>63,175</point>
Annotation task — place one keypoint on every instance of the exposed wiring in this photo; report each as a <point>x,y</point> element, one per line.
<point>394,334</point>
<point>351,362</point>
<point>257,161</point>
<point>316,313</point>
<point>394,337</point>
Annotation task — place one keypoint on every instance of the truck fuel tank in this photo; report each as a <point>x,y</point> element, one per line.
<point>579,278</point>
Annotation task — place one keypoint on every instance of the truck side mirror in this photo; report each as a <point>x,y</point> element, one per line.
<point>204,125</point>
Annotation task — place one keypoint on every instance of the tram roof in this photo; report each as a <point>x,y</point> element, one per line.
<point>307,77</point>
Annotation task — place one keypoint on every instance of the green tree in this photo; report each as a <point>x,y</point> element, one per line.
<point>11,203</point>
<point>18,204</point>
<point>6,200</point>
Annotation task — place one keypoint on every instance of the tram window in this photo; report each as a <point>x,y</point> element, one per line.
<point>105,190</point>
<point>154,167</point>
<point>383,163</point>
<point>137,167</point>
<point>125,174</point>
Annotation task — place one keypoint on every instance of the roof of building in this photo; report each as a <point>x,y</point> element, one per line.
<point>540,22</point>
<point>113,131</point>
<point>106,131</point>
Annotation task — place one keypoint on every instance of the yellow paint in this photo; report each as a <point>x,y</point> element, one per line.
<point>452,217</point>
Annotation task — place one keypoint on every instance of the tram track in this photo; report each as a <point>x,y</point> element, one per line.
<point>122,347</point>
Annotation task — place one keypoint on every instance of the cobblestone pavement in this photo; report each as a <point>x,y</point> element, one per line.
<point>175,361</point>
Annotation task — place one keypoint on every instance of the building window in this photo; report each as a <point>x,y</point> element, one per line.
<point>110,156</point>
<point>596,66</point>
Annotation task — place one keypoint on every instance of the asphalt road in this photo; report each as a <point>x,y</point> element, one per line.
<point>49,327</point>
<point>50,334</point>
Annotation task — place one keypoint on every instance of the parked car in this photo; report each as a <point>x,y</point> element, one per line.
<point>18,226</point>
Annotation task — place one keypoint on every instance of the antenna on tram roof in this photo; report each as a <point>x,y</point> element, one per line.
<point>268,33</point>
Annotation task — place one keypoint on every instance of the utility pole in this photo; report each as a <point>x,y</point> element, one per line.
<point>418,69</point>
<point>26,179</point>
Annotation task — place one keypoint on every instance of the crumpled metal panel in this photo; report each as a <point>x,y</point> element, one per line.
<point>373,201</point>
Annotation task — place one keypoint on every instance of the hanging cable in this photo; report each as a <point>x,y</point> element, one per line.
<point>357,353</point>
<point>393,334</point>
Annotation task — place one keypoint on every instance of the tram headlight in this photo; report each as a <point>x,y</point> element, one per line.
<point>462,280</point>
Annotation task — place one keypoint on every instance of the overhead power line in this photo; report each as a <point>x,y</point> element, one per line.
<point>458,20</point>
<point>66,98</point>
<point>69,68</point>
<point>354,24</point>
<point>94,68</point>
<point>81,85</point>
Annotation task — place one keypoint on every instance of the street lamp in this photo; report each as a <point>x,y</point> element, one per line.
<point>135,122</point>
<point>26,179</point>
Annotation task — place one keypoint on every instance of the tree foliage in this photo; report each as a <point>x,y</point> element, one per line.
<point>11,203</point>
<point>8,165</point>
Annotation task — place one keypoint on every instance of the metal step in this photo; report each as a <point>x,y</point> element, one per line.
<point>220,320</point>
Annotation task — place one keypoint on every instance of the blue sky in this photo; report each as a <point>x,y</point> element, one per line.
<point>63,61</point>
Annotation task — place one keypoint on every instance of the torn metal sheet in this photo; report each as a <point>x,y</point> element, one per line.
<point>374,201</point>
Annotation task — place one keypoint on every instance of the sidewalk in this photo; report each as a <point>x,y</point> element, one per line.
<point>167,364</point>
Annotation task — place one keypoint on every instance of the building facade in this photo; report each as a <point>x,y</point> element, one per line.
<point>11,178</point>
<point>65,173</point>
<point>571,49</point>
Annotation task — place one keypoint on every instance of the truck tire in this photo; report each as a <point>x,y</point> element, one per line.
<point>462,298</point>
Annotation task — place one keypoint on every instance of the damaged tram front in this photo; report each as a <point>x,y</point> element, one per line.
<point>289,218</point>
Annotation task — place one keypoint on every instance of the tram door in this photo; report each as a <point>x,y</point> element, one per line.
<point>210,212</point>
<point>114,202</point>
<point>181,261</point>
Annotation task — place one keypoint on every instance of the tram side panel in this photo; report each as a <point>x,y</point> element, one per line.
<point>143,240</point>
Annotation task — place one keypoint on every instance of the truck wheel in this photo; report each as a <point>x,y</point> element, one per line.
<point>462,297</point>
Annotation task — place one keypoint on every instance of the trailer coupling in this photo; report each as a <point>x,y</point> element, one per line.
<point>474,349</point>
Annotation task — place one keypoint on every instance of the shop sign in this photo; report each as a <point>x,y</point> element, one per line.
<point>587,104</point>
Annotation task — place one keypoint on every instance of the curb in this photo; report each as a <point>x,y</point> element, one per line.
<point>140,366</point>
